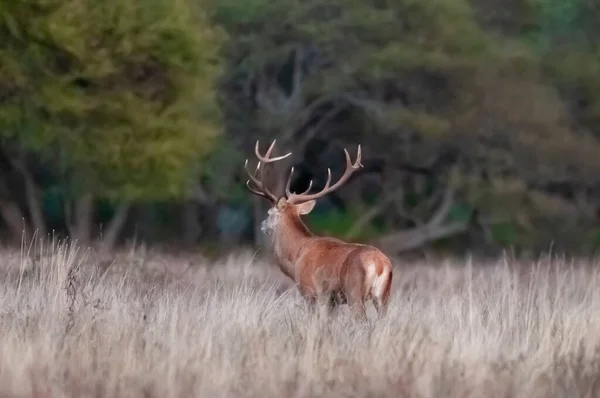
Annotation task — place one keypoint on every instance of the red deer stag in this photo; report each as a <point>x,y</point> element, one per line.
<point>327,271</point>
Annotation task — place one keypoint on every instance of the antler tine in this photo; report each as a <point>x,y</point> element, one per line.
<point>288,193</point>
<point>328,182</point>
<point>308,189</point>
<point>254,191</point>
<point>258,177</point>
<point>259,190</point>
<point>358,157</point>
<point>267,157</point>
<point>350,169</point>
<point>289,183</point>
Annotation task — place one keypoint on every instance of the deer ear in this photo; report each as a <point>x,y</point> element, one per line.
<point>306,207</point>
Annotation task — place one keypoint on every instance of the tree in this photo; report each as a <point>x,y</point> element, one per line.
<point>116,98</point>
<point>425,85</point>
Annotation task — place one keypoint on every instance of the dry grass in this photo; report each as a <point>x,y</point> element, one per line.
<point>157,326</point>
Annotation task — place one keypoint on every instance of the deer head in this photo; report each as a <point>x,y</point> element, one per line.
<point>291,205</point>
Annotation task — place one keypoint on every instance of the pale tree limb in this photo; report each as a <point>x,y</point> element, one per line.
<point>372,213</point>
<point>297,95</point>
<point>320,124</point>
<point>418,237</point>
<point>80,222</point>
<point>442,212</point>
<point>80,226</point>
<point>191,228</point>
<point>199,194</point>
<point>13,216</point>
<point>272,98</point>
<point>379,208</point>
<point>434,229</point>
<point>32,195</point>
<point>190,211</point>
<point>368,106</point>
<point>114,227</point>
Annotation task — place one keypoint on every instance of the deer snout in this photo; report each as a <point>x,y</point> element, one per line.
<point>264,227</point>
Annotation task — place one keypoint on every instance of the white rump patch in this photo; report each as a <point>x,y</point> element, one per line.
<point>371,277</point>
<point>379,284</point>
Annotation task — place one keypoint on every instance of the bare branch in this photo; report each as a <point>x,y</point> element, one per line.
<point>368,106</point>
<point>32,194</point>
<point>199,194</point>
<point>272,98</point>
<point>417,237</point>
<point>298,77</point>
<point>305,116</point>
<point>12,215</point>
<point>115,226</point>
<point>373,212</point>
<point>442,212</point>
<point>313,131</point>
<point>433,230</point>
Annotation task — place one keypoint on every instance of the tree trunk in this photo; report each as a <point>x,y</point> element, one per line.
<point>35,207</point>
<point>15,220</point>
<point>191,228</point>
<point>80,226</point>
<point>114,227</point>
<point>32,195</point>
<point>13,216</point>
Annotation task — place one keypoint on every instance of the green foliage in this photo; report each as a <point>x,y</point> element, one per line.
<point>505,233</point>
<point>592,239</point>
<point>515,92</point>
<point>334,222</point>
<point>52,204</point>
<point>461,212</point>
<point>444,77</point>
<point>118,98</point>
<point>219,167</point>
<point>120,94</point>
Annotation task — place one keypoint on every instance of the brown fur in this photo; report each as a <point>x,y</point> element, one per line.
<point>327,269</point>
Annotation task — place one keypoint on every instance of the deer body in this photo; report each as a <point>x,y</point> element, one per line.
<point>327,270</point>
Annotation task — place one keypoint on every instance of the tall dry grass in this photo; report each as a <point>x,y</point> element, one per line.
<point>151,325</point>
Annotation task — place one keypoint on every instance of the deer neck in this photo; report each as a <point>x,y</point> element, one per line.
<point>288,241</point>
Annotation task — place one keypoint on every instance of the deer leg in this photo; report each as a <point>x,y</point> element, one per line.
<point>309,298</point>
<point>355,297</point>
<point>336,299</point>
<point>355,290</point>
<point>380,307</point>
<point>358,307</point>
<point>323,309</point>
<point>326,304</point>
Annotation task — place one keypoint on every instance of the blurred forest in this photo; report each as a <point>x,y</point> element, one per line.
<point>479,120</point>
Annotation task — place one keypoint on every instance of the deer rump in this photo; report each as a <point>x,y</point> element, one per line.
<point>343,273</point>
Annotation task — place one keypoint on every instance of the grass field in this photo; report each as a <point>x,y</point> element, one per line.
<point>146,324</point>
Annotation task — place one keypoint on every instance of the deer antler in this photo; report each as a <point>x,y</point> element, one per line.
<point>294,198</point>
<point>260,189</point>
